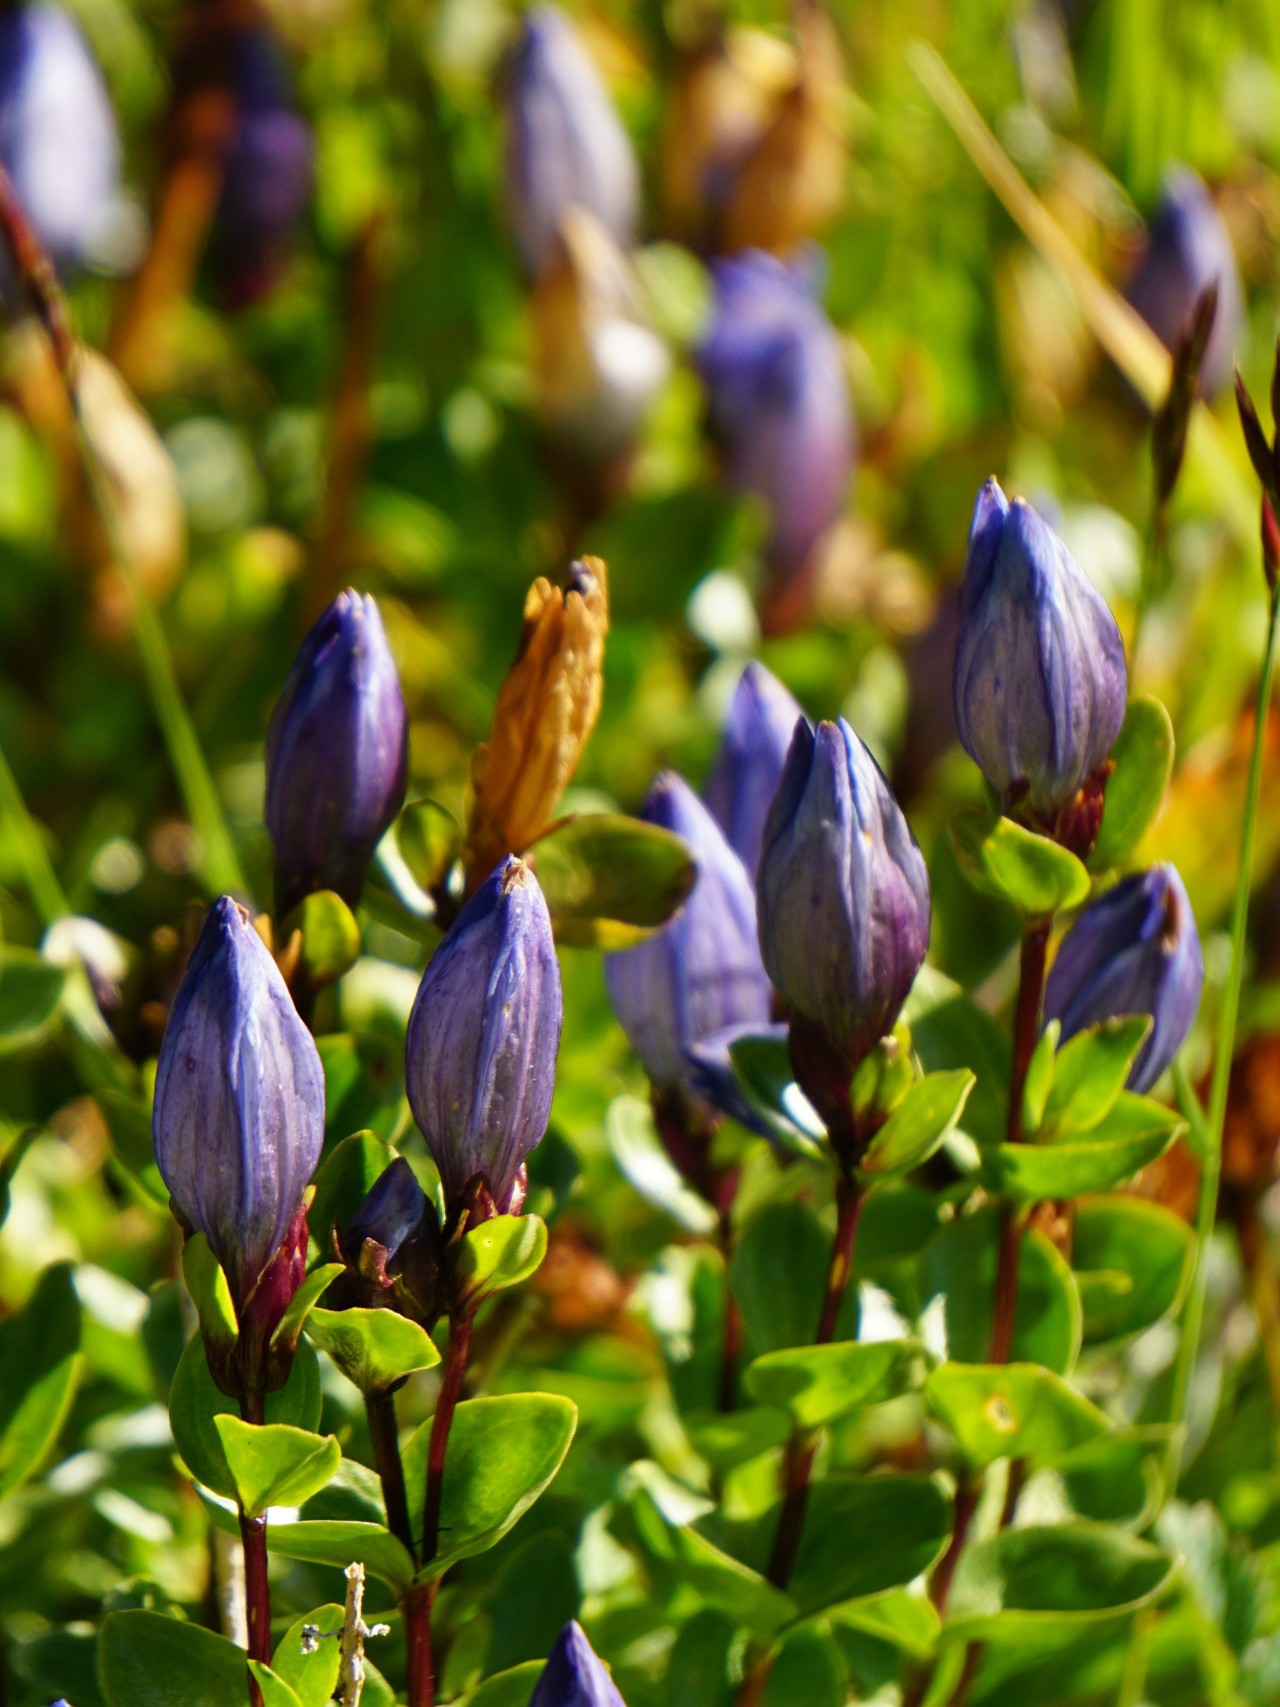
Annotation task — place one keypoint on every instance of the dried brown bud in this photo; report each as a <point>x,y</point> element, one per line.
<point>1261,453</point>
<point>546,708</point>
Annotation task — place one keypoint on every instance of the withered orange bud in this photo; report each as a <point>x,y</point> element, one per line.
<point>793,182</point>
<point>546,708</point>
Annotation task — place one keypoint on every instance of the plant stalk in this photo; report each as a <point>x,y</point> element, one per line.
<point>380,1410</point>
<point>257,1588</point>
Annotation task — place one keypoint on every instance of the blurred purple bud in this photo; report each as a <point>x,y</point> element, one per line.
<point>390,1212</point>
<point>1040,679</point>
<point>483,1035</point>
<point>239,1099</point>
<point>1135,950</point>
<point>1188,249</point>
<point>843,892</point>
<point>748,766</point>
<point>702,971</point>
<point>712,1075</point>
<point>573,1676</point>
<point>58,137</point>
<point>337,754</point>
<point>565,146</point>
<point>778,404</point>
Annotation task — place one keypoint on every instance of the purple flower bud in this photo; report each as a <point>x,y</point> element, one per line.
<point>748,767</point>
<point>843,892</point>
<point>1135,950</point>
<point>1188,249</point>
<point>483,1035</point>
<point>337,754</point>
<point>573,1676</point>
<point>702,971</point>
<point>390,1212</point>
<point>239,1100</point>
<point>58,138</point>
<point>1040,680</point>
<point>565,146</point>
<point>778,404</point>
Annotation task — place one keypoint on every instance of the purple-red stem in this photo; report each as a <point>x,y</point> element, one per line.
<point>257,1590</point>
<point>380,1409</point>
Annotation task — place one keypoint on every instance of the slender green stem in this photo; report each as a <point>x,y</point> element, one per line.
<point>37,869</point>
<point>1193,1311</point>
<point>1133,1680</point>
<point>1191,1109</point>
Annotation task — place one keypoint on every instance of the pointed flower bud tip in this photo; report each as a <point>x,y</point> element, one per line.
<point>1135,950</point>
<point>844,901</point>
<point>748,766</point>
<point>1040,677</point>
<point>565,146</point>
<point>702,971</point>
<point>483,1035</point>
<point>239,1101</point>
<point>391,1211</point>
<point>573,1676</point>
<point>337,754</point>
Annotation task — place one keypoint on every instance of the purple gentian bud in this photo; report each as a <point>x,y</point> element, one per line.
<point>1040,679</point>
<point>1187,250</point>
<point>778,404</point>
<point>702,971</point>
<point>58,137</point>
<point>239,1099</point>
<point>392,1249</point>
<point>1135,950</point>
<point>565,145</point>
<point>337,754</point>
<point>390,1212</point>
<point>483,1035</point>
<point>573,1676</point>
<point>748,766</point>
<point>843,893</point>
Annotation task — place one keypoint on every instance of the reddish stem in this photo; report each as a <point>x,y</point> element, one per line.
<point>257,1590</point>
<point>731,1347</point>
<point>380,1409</point>
<point>417,1605</point>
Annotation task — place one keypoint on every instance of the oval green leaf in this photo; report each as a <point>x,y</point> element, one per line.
<point>373,1348</point>
<point>909,1517</point>
<point>275,1464</point>
<point>1013,1410</point>
<point>1000,858</point>
<point>920,1122</point>
<point>816,1384</point>
<point>499,1253</point>
<point>1133,1262</point>
<point>609,880</point>
<point>148,1660</point>
<point>1143,760</point>
<point>195,1402</point>
<point>335,1542</point>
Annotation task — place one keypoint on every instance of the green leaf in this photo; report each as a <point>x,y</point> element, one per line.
<point>312,1677</point>
<point>347,1175</point>
<point>274,1464</point>
<point>763,1068</point>
<point>629,1129</point>
<point>430,841</point>
<point>818,1383</point>
<point>289,1328</point>
<point>920,1122</point>
<point>31,991</point>
<point>1001,859</point>
<point>148,1660</point>
<point>372,1348</point>
<point>334,1542</point>
<point>40,1364</point>
<point>511,1688</point>
<point>611,881</point>
<point>909,1518</point>
<point>1039,1079</point>
<point>690,1562</point>
<point>499,1253</point>
<point>1131,1135</point>
<point>330,936</point>
<point>1013,1410</point>
<point>1143,760</point>
<point>950,1030</point>
<point>1032,1585</point>
<point>502,1453</point>
<point>195,1403</point>
<point>209,1291</point>
<point>907,1621</point>
<point>959,1264</point>
<point>728,1438</point>
<point>1133,1261</point>
<point>275,1691</point>
<point>807,1671</point>
<point>1118,1478</point>
<point>1089,1073</point>
<point>778,1275</point>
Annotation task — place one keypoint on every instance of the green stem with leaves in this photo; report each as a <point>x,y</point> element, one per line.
<point>1211,1159</point>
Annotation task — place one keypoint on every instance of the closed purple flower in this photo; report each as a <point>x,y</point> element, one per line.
<point>778,404</point>
<point>573,1676</point>
<point>390,1213</point>
<point>239,1101</point>
<point>483,1035</point>
<point>748,766</point>
<point>565,146</point>
<point>58,137</point>
<point>843,892</point>
<point>702,971</point>
<point>1135,950</point>
<point>337,754</point>
<point>1188,249</point>
<point>1040,679</point>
